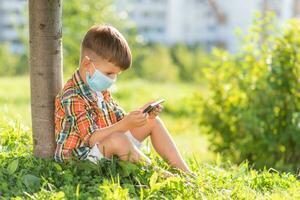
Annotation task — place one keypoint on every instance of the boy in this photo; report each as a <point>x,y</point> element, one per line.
<point>90,124</point>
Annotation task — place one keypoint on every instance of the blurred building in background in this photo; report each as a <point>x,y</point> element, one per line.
<point>12,17</point>
<point>208,22</point>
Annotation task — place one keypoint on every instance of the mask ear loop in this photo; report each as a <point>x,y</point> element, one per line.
<point>91,62</point>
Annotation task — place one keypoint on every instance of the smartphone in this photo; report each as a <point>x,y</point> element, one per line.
<point>153,105</point>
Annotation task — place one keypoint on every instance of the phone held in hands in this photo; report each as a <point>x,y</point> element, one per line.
<point>153,105</point>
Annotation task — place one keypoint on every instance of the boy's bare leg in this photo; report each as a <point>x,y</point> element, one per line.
<point>161,141</point>
<point>118,144</point>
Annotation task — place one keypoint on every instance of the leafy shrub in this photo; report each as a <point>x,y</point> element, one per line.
<point>12,64</point>
<point>253,110</point>
<point>155,63</point>
<point>190,61</point>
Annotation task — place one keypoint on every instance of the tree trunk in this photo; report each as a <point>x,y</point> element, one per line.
<point>45,39</point>
<point>296,8</point>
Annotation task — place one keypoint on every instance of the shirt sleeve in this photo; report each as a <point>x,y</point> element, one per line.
<point>119,111</point>
<point>81,117</point>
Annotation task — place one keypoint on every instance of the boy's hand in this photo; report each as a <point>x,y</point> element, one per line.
<point>135,119</point>
<point>155,112</point>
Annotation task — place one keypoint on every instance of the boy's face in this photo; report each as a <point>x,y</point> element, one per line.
<point>107,68</point>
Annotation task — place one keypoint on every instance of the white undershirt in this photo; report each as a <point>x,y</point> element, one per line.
<point>100,99</point>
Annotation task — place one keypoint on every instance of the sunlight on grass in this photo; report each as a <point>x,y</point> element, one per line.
<point>15,98</point>
<point>131,94</point>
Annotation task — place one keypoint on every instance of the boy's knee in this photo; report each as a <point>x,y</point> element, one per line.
<point>119,141</point>
<point>156,122</point>
<point>113,144</point>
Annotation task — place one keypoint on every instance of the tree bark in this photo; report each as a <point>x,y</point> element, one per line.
<point>296,5</point>
<point>45,39</point>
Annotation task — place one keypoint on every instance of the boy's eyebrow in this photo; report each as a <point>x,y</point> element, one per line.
<point>111,72</point>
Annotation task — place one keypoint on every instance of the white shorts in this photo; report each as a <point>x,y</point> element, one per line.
<point>95,154</point>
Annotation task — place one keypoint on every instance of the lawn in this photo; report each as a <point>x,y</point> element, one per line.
<point>23,176</point>
<point>15,104</point>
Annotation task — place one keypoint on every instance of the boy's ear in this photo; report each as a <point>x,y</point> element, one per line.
<point>86,61</point>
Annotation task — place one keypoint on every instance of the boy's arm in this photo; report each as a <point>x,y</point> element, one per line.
<point>100,134</point>
<point>133,119</point>
<point>88,131</point>
<point>119,126</point>
<point>120,111</point>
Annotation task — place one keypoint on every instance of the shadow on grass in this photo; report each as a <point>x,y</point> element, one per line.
<point>25,175</point>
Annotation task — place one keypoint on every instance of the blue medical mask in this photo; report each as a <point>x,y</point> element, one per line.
<point>98,81</point>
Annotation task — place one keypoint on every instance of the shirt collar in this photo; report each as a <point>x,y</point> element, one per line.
<point>85,89</point>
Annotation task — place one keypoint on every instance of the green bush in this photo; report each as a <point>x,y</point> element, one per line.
<point>12,64</point>
<point>253,109</point>
<point>155,63</point>
<point>190,61</point>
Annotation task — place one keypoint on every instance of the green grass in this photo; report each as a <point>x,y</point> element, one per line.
<point>15,104</point>
<point>23,176</point>
<point>15,98</point>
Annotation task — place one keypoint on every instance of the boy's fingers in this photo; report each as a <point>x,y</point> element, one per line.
<point>153,115</point>
<point>147,104</point>
<point>156,111</point>
<point>142,115</point>
<point>159,108</point>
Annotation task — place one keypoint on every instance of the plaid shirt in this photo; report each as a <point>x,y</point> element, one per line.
<point>78,115</point>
